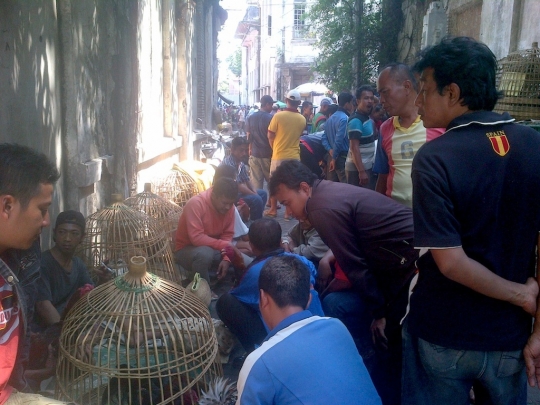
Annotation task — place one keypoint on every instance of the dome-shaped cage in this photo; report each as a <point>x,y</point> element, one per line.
<point>137,339</point>
<point>118,232</point>
<point>166,213</point>
<point>518,77</point>
<point>177,186</point>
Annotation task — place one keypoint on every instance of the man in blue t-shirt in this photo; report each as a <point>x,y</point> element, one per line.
<point>362,136</point>
<point>239,309</point>
<point>305,359</point>
<point>477,209</point>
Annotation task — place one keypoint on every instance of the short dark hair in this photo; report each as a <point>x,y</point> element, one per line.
<point>224,171</point>
<point>291,173</point>
<point>265,100</point>
<point>344,98</point>
<point>239,141</point>
<point>225,187</point>
<point>361,89</point>
<point>332,108</point>
<point>23,170</point>
<point>287,280</point>
<point>307,103</point>
<point>401,72</point>
<point>469,64</point>
<point>265,234</point>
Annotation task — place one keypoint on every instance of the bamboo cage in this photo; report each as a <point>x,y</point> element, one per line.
<point>518,77</point>
<point>118,232</point>
<point>166,213</point>
<point>137,339</point>
<point>177,186</point>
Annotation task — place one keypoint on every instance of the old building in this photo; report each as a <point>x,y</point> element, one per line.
<point>278,48</point>
<point>109,89</point>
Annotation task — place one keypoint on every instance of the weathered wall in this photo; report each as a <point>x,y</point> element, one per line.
<point>30,112</point>
<point>104,88</point>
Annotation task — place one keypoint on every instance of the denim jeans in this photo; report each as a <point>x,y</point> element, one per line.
<point>338,174</point>
<point>256,203</point>
<point>434,374</point>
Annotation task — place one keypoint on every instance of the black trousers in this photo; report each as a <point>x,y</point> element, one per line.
<point>242,320</point>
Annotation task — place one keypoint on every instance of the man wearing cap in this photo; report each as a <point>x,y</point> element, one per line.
<point>62,273</point>
<point>260,152</point>
<point>284,134</point>
<point>321,117</point>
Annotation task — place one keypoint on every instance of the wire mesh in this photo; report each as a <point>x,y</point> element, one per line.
<point>518,77</point>
<point>118,232</point>
<point>137,339</point>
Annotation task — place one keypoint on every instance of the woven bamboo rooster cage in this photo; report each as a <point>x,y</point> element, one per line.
<point>519,79</point>
<point>137,339</point>
<point>177,186</point>
<point>118,232</point>
<point>166,213</point>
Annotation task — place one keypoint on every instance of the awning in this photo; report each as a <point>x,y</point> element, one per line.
<point>225,99</point>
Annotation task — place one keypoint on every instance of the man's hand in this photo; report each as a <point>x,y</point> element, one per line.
<point>324,274</point>
<point>104,273</point>
<point>530,296</point>
<point>377,333</point>
<point>332,165</point>
<point>532,359</point>
<point>223,268</point>
<point>364,179</point>
<point>286,244</point>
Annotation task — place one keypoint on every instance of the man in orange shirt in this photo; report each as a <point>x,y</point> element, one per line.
<point>205,229</point>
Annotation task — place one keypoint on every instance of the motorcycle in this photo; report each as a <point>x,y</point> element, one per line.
<point>210,146</point>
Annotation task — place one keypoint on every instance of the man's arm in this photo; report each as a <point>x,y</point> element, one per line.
<point>47,312</point>
<point>271,138</point>
<point>341,133</point>
<point>532,349</point>
<point>457,266</point>
<point>244,188</point>
<point>380,187</point>
<point>357,157</point>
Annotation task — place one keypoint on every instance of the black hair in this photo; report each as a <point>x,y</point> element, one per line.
<point>401,72</point>
<point>332,108</point>
<point>286,279</point>
<point>22,172</point>
<point>361,89</point>
<point>291,173</point>
<point>344,98</point>
<point>239,141</point>
<point>225,187</point>
<point>307,103</point>
<point>265,234</point>
<point>265,100</point>
<point>469,64</point>
<point>224,171</point>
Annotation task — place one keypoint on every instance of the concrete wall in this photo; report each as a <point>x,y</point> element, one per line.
<point>30,91</point>
<point>104,88</point>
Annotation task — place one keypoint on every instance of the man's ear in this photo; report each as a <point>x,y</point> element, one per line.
<point>263,299</point>
<point>454,94</point>
<point>310,296</point>
<point>304,187</point>
<point>6,205</point>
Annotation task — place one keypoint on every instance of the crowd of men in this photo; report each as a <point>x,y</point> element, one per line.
<point>411,277</point>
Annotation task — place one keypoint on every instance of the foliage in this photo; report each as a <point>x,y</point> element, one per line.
<point>234,61</point>
<point>350,36</point>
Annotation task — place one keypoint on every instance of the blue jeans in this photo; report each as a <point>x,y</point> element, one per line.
<point>256,203</point>
<point>434,374</point>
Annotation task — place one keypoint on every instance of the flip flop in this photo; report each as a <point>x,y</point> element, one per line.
<point>269,215</point>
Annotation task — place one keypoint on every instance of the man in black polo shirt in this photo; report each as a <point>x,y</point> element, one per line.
<point>260,152</point>
<point>477,209</point>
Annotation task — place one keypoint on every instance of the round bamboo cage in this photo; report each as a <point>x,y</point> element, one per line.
<point>518,77</point>
<point>177,186</point>
<point>137,339</point>
<point>118,232</point>
<point>166,213</point>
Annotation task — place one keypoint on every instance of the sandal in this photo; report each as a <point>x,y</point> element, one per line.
<point>269,214</point>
